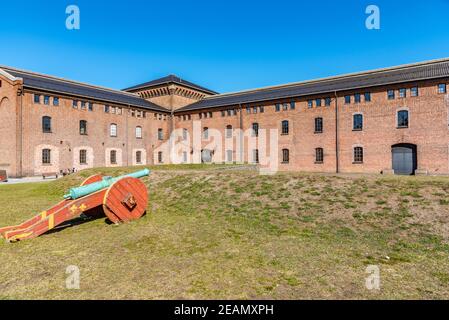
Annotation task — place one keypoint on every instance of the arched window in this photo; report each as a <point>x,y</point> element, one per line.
<point>139,132</point>
<point>138,156</point>
<point>318,125</point>
<point>83,127</point>
<point>255,131</point>
<point>284,127</point>
<point>403,119</point>
<point>319,155</point>
<point>206,133</point>
<point>285,156</point>
<point>46,124</point>
<point>358,155</point>
<point>228,131</point>
<point>357,123</point>
<point>46,156</point>
<point>113,157</point>
<point>113,130</point>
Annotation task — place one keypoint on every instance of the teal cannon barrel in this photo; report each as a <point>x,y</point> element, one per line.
<point>76,193</point>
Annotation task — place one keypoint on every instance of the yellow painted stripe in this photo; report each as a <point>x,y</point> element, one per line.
<point>43,215</point>
<point>51,222</point>
<point>20,236</point>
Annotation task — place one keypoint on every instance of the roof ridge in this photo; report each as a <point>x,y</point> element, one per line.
<point>6,68</point>
<point>330,78</point>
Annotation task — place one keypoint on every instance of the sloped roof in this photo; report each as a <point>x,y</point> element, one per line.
<point>170,79</point>
<point>58,85</point>
<point>406,73</point>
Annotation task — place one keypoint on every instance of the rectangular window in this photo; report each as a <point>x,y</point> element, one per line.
<point>261,109</point>
<point>138,156</point>
<point>83,127</point>
<point>285,156</point>
<point>113,157</point>
<point>206,133</point>
<point>318,102</point>
<point>357,122</point>
<point>223,113</point>
<point>46,156</point>
<point>91,106</point>
<point>285,106</point>
<point>403,119</point>
<point>319,155</point>
<point>83,156</point>
<point>357,98</point>
<point>292,105</point>
<point>358,155</point>
<point>184,134</point>
<point>248,110</point>
<point>327,102</point>
<point>229,131</point>
<point>347,99</point>
<point>46,124</point>
<point>284,128</point>
<point>255,132</point>
<point>229,156</point>
<point>256,156</point>
<point>255,110</point>
<point>414,91</point>
<point>402,93</point>
<point>159,157</point>
<point>83,105</point>
<point>184,156</point>
<point>37,98</point>
<point>442,88</point>
<point>113,130</point>
<point>318,125</point>
<point>55,101</point>
<point>310,103</point>
<point>390,94</point>
<point>47,100</point>
<point>75,104</point>
<point>106,109</point>
<point>138,132</point>
<point>160,134</point>
<point>278,107</point>
<point>367,96</point>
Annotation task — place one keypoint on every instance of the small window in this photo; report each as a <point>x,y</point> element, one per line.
<point>256,156</point>
<point>47,100</point>
<point>83,127</point>
<point>261,109</point>
<point>184,156</point>
<point>138,132</point>
<point>347,99</point>
<point>75,104</point>
<point>327,102</point>
<point>442,88</point>
<point>254,109</point>
<point>248,110</point>
<point>55,101</point>
<point>46,156</point>
<point>285,156</point>
<point>357,122</point>
<point>160,134</point>
<point>390,94</point>
<point>91,106</point>
<point>292,105</point>
<point>367,96</point>
<point>138,156</point>
<point>113,157</point>
<point>37,98</point>
<point>83,105</point>
<point>159,157</point>
<point>402,93</point>
<point>184,134</point>
<point>206,133</point>
<point>285,128</point>
<point>223,113</point>
<point>278,107</point>
<point>318,125</point>
<point>319,155</point>
<point>414,92</point>
<point>46,124</point>
<point>285,106</point>
<point>255,131</point>
<point>358,155</point>
<point>229,156</point>
<point>318,102</point>
<point>310,103</point>
<point>113,130</point>
<point>83,156</point>
<point>106,109</point>
<point>357,98</point>
<point>403,119</point>
<point>229,112</point>
<point>228,131</point>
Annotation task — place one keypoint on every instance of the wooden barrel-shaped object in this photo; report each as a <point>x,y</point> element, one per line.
<point>125,200</point>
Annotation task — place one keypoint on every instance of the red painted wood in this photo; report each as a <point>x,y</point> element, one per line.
<point>92,179</point>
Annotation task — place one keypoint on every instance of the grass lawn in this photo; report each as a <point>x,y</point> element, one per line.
<point>234,234</point>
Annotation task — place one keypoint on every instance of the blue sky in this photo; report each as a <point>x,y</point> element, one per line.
<point>224,45</point>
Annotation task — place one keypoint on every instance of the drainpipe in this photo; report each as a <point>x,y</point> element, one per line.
<point>337,166</point>
<point>20,125</point>
<point>241,134</point>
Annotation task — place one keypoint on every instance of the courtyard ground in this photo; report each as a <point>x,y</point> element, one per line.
<point>211,233</point>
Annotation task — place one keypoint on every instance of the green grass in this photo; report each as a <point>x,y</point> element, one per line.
<point>214,234</point>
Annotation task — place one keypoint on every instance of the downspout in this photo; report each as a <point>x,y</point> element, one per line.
<point>127,136</point>
<point>337,165</point>
<point>241,134</point>
<point>20,95</point>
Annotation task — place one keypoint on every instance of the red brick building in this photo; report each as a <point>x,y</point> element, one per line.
<point>388,120</point>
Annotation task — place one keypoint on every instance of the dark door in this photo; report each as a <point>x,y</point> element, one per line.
<point>404,159</point>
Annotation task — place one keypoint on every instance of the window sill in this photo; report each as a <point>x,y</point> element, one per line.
<point>404,127</point>
<point>357,162</point>
<point>47,132</point>
<point>46,164</point>
<point>284,134</point>
<point>285,162</point>
<point>357,129</point>
<point>83,134</point>
<point>83,164</point>
<point>319,162</point>
<point>318,132</point>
